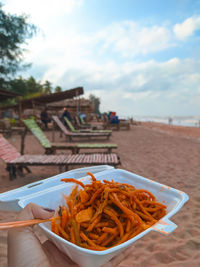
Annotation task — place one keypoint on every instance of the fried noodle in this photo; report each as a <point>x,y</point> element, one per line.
<point>105,214</point>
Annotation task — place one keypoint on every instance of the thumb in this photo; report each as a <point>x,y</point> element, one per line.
<point>22,241</point>
<point>34,211</point>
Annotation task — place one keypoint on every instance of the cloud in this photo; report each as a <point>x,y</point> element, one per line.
<point>120,85</point>
<point>126,39</point>
<point>44,8</point>
<point>183,30</point>
<point>176,81</point>
<point>64,50</point>
<point>137,96</point>
<point>132,39</point>
<point>44,14</point>
<point>122,39</point>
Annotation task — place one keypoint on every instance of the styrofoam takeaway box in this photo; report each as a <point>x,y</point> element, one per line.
<point>50,195</point>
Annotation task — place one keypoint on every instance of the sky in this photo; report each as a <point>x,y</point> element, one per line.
<point>141,58</point>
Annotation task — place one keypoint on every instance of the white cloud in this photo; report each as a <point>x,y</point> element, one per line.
<point>130,38</point>
<point>38,9</point>
<point>168,84</point>
<point>66,50</point>
<point>45,14</point>
<point>137,96</point>
<point>187,28</point>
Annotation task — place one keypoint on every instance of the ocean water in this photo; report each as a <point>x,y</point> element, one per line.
<point>192,121</point>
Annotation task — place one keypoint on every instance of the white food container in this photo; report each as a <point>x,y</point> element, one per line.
<point>51,196</point>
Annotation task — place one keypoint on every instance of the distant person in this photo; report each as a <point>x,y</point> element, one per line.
<point>113,118</point>
<point>15,116</point>
<point>66,114</point>
<point>82,115</point>
<point>44,116</point>
<point>170,121</point>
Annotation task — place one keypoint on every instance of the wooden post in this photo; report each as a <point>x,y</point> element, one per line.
<point>19,108</point>
<point>33,107</point>
<point>53,132</point>
<point>76,102</point>
<point>23,135</point>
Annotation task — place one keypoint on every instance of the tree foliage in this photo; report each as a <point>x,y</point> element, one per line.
<point>58,89</point>
<point>14,30</point>
<point>26,87</point>
<point>47,87</point>
<point>96,102</point>
<point>30,87</point>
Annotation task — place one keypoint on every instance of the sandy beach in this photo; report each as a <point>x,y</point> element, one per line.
<point>167,154</point>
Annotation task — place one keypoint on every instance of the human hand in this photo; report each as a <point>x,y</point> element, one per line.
<point>25,249</point>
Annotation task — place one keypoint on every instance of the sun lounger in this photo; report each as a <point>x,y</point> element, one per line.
<point>83,121</point>
<point>88,127</point>
<point>50,148</point>
<point>73,130</point>
<point>71,136</point>
<point>122,125</point>
<point>79,125</point>
<point>16,162</point>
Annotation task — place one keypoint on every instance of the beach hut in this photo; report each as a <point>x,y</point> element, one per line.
<point>5,94</point>
<point>37,103</point>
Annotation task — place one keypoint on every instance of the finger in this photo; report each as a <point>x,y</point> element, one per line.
<point>56,257</point>
<point>34,211</point>
<point>24,248</point>
<point>31,211</point>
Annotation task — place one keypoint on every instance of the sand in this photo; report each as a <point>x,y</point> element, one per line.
<point>167,154</point>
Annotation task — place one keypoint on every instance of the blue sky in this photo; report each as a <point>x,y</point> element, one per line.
<point>139,57</point>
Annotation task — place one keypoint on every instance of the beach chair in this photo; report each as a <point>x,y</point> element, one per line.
<point>73,130</point>
<point>92,126</point>
<point>71,136</point>
<point>16,162</point>
<point>122,125</point>
<point>79,125</point>
<point>83,122</point>
<point>50,148</point>
<point>125,124</point>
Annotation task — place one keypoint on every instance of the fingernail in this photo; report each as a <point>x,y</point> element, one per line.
<point>49,210</point>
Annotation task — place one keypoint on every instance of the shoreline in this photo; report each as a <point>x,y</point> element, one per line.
<point>178,130</point>
<point>187,121</point>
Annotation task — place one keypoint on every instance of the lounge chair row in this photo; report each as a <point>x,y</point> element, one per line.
<point>50,148</point>
<point>16,162</point>
<point>72,136</point>
<point>86,130</point>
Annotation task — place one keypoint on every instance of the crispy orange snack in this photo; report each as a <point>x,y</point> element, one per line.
<point>101,215</point>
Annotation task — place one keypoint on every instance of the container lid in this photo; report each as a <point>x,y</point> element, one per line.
<point>9,200</point>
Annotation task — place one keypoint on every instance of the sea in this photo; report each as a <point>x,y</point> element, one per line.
<point>191,121</point>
